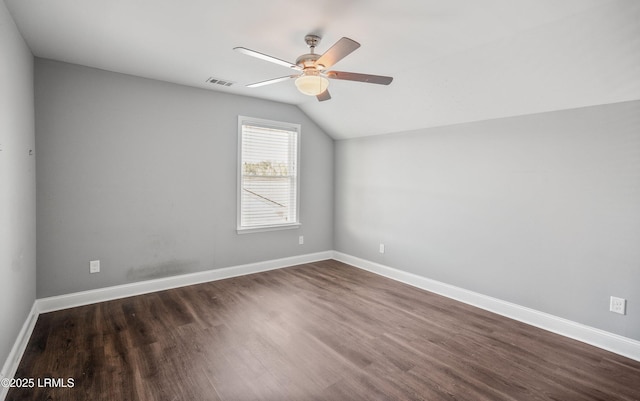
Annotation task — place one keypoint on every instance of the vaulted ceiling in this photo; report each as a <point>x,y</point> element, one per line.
<point>453,61</point>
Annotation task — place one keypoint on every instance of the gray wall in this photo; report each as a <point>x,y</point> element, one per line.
<point>141,175</point>
<point>17,184</point>
<point>539,210</point>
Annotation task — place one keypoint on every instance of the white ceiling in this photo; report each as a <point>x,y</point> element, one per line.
<point>453,61</point>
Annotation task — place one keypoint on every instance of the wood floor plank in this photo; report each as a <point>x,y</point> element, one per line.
<point>319,331</point>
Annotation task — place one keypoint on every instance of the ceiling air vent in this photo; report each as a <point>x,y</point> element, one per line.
<point>221,82</point>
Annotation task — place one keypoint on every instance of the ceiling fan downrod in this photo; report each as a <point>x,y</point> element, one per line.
<point>308,61</point>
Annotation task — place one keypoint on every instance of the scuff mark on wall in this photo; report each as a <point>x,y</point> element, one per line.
<point>162,269</point>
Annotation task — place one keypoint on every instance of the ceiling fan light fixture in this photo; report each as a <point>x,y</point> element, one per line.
<point>312,84</point>
<point>313,79</point>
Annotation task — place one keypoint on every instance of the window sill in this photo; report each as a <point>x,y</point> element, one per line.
<point>268,228</point>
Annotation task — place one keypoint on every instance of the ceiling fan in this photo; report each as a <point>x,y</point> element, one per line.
<point>313,78</point>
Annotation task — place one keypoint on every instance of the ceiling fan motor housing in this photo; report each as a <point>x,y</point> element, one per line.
<point>308,61</point>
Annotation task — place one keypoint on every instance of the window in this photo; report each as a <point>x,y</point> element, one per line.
<point>267,174</point>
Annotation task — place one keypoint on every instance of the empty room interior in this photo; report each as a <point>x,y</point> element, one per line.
<point>320,200</point>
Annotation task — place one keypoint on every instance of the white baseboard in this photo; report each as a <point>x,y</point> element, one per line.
<point>599,338</point>
<point>19,346</point>
<point>65,301</point>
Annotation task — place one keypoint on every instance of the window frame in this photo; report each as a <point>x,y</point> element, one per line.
<point>280,125</point>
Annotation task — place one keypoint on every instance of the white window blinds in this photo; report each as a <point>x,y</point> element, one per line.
<point>268,174</point>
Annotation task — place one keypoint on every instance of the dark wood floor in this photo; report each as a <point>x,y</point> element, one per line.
<point>320,331</point>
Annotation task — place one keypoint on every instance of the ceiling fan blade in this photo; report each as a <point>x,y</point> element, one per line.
<point>265,57</point>
<point>353,76</point>
<point>324,96</point>
<point>271,81</point>
<point>337,52</point>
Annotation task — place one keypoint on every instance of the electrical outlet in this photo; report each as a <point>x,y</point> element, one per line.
<point>381,248</point>
<point>94,266</point>
<point>301,240</point>
<point>618,305</point>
